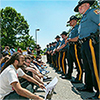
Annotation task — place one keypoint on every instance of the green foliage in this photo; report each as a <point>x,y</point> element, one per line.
<point>14,29</point>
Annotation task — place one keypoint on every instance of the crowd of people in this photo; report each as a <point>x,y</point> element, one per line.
<point>80,46</point>
<point>20,73</point>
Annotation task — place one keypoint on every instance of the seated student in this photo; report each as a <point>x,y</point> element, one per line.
<point>34,64</point>
<point>28,51</point>
<point>34,73</point>
<point>6,51</point>
<point>12,50</point>
<point>41,68</point>
<point>10,87</point>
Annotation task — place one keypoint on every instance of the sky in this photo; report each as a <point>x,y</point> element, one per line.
<point>50,16</point>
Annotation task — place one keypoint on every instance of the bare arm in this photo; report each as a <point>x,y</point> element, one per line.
<point>38,79</point>
<point>34,71</point>
<point>27,77</point>
<point>73,39</point>
<point>23,92</point>
<point>63,45</point>
<point>36,62</point>
<point>99,24</point>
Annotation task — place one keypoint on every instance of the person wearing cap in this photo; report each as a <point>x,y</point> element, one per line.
<point>52,62</point>
<point>89,39</point>
<point>54,55</point>
<point>50,51</point>
<point>63,53</point>
<point>57,53</point>
<point>52,48</point>
<point>47,53</point>
<point>73,54</point>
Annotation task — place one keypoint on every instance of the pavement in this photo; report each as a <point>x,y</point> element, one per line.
<point>64,89</point>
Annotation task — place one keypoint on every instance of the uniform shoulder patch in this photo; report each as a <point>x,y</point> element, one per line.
<point>97,11</point>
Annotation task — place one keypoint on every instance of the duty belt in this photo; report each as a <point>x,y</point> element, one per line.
<point>72,43</point>
<point>94,37</point>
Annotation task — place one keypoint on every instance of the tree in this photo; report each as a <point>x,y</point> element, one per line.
<point>26,41</point>
<point>12,24</point>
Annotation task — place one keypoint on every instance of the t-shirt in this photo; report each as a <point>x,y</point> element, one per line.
<point>8,76</point>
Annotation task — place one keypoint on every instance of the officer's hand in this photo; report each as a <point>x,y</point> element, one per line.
<point>57,50</point>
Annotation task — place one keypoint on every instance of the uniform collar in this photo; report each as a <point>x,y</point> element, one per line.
<point>86,12</point>
<point>75,26</point>
<point>59,41</point>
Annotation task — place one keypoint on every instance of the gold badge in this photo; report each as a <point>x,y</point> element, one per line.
<point>97,11</point>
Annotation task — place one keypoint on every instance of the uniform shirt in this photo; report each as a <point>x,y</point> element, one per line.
<point>89,23</point>
<point>51,48</point>
<point>48,49</point>
<point>8,76</point>
<point>58,43</point>
<point>63,42</point>
<point>54,47</point>
<point>73,33</point>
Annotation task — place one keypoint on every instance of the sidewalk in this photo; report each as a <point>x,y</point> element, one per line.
<point>64,89</point>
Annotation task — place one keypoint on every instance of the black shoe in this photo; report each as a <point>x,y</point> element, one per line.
<point>84,88</point>
<point>59,72</point>
<point>76,81</point>
<point>66,77</point>
<point>49,77</point>
<point>56,70</point>
<point>96,97</point>
<point>63,74</point>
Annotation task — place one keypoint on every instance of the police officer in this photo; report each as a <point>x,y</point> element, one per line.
<point>57,53</point>
<point>89,39</point>
<point>53,56</point>
<point>63,53</point>
<point>50,51</point>
<point>73,54</point>
<point>47,53</point>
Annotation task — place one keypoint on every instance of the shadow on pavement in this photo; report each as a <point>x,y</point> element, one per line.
<point>84,94</point>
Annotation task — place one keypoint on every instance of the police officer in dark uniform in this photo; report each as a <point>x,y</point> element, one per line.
<point>63,53</point>
<point>57,53</point>
<point>47,53</point>
<point>89,39</point>
<point>52,48</point>
<point>53,55</point>
<point>73,54</point>
<point>50,51</point>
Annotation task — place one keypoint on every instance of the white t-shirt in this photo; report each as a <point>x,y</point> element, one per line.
<point>8,76</point>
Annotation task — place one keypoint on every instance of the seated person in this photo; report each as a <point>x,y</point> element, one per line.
<point>35,74</point>
<point>6,51</point>
<point>10,87</point>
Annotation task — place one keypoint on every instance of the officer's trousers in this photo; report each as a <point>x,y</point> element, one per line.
<point>50,59</point>
<point>63,62</point>
<point>75,56</point>
<point>58,60</point>
<point>47,57</point>
<point>90,54</point>
<point>54,60</point>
